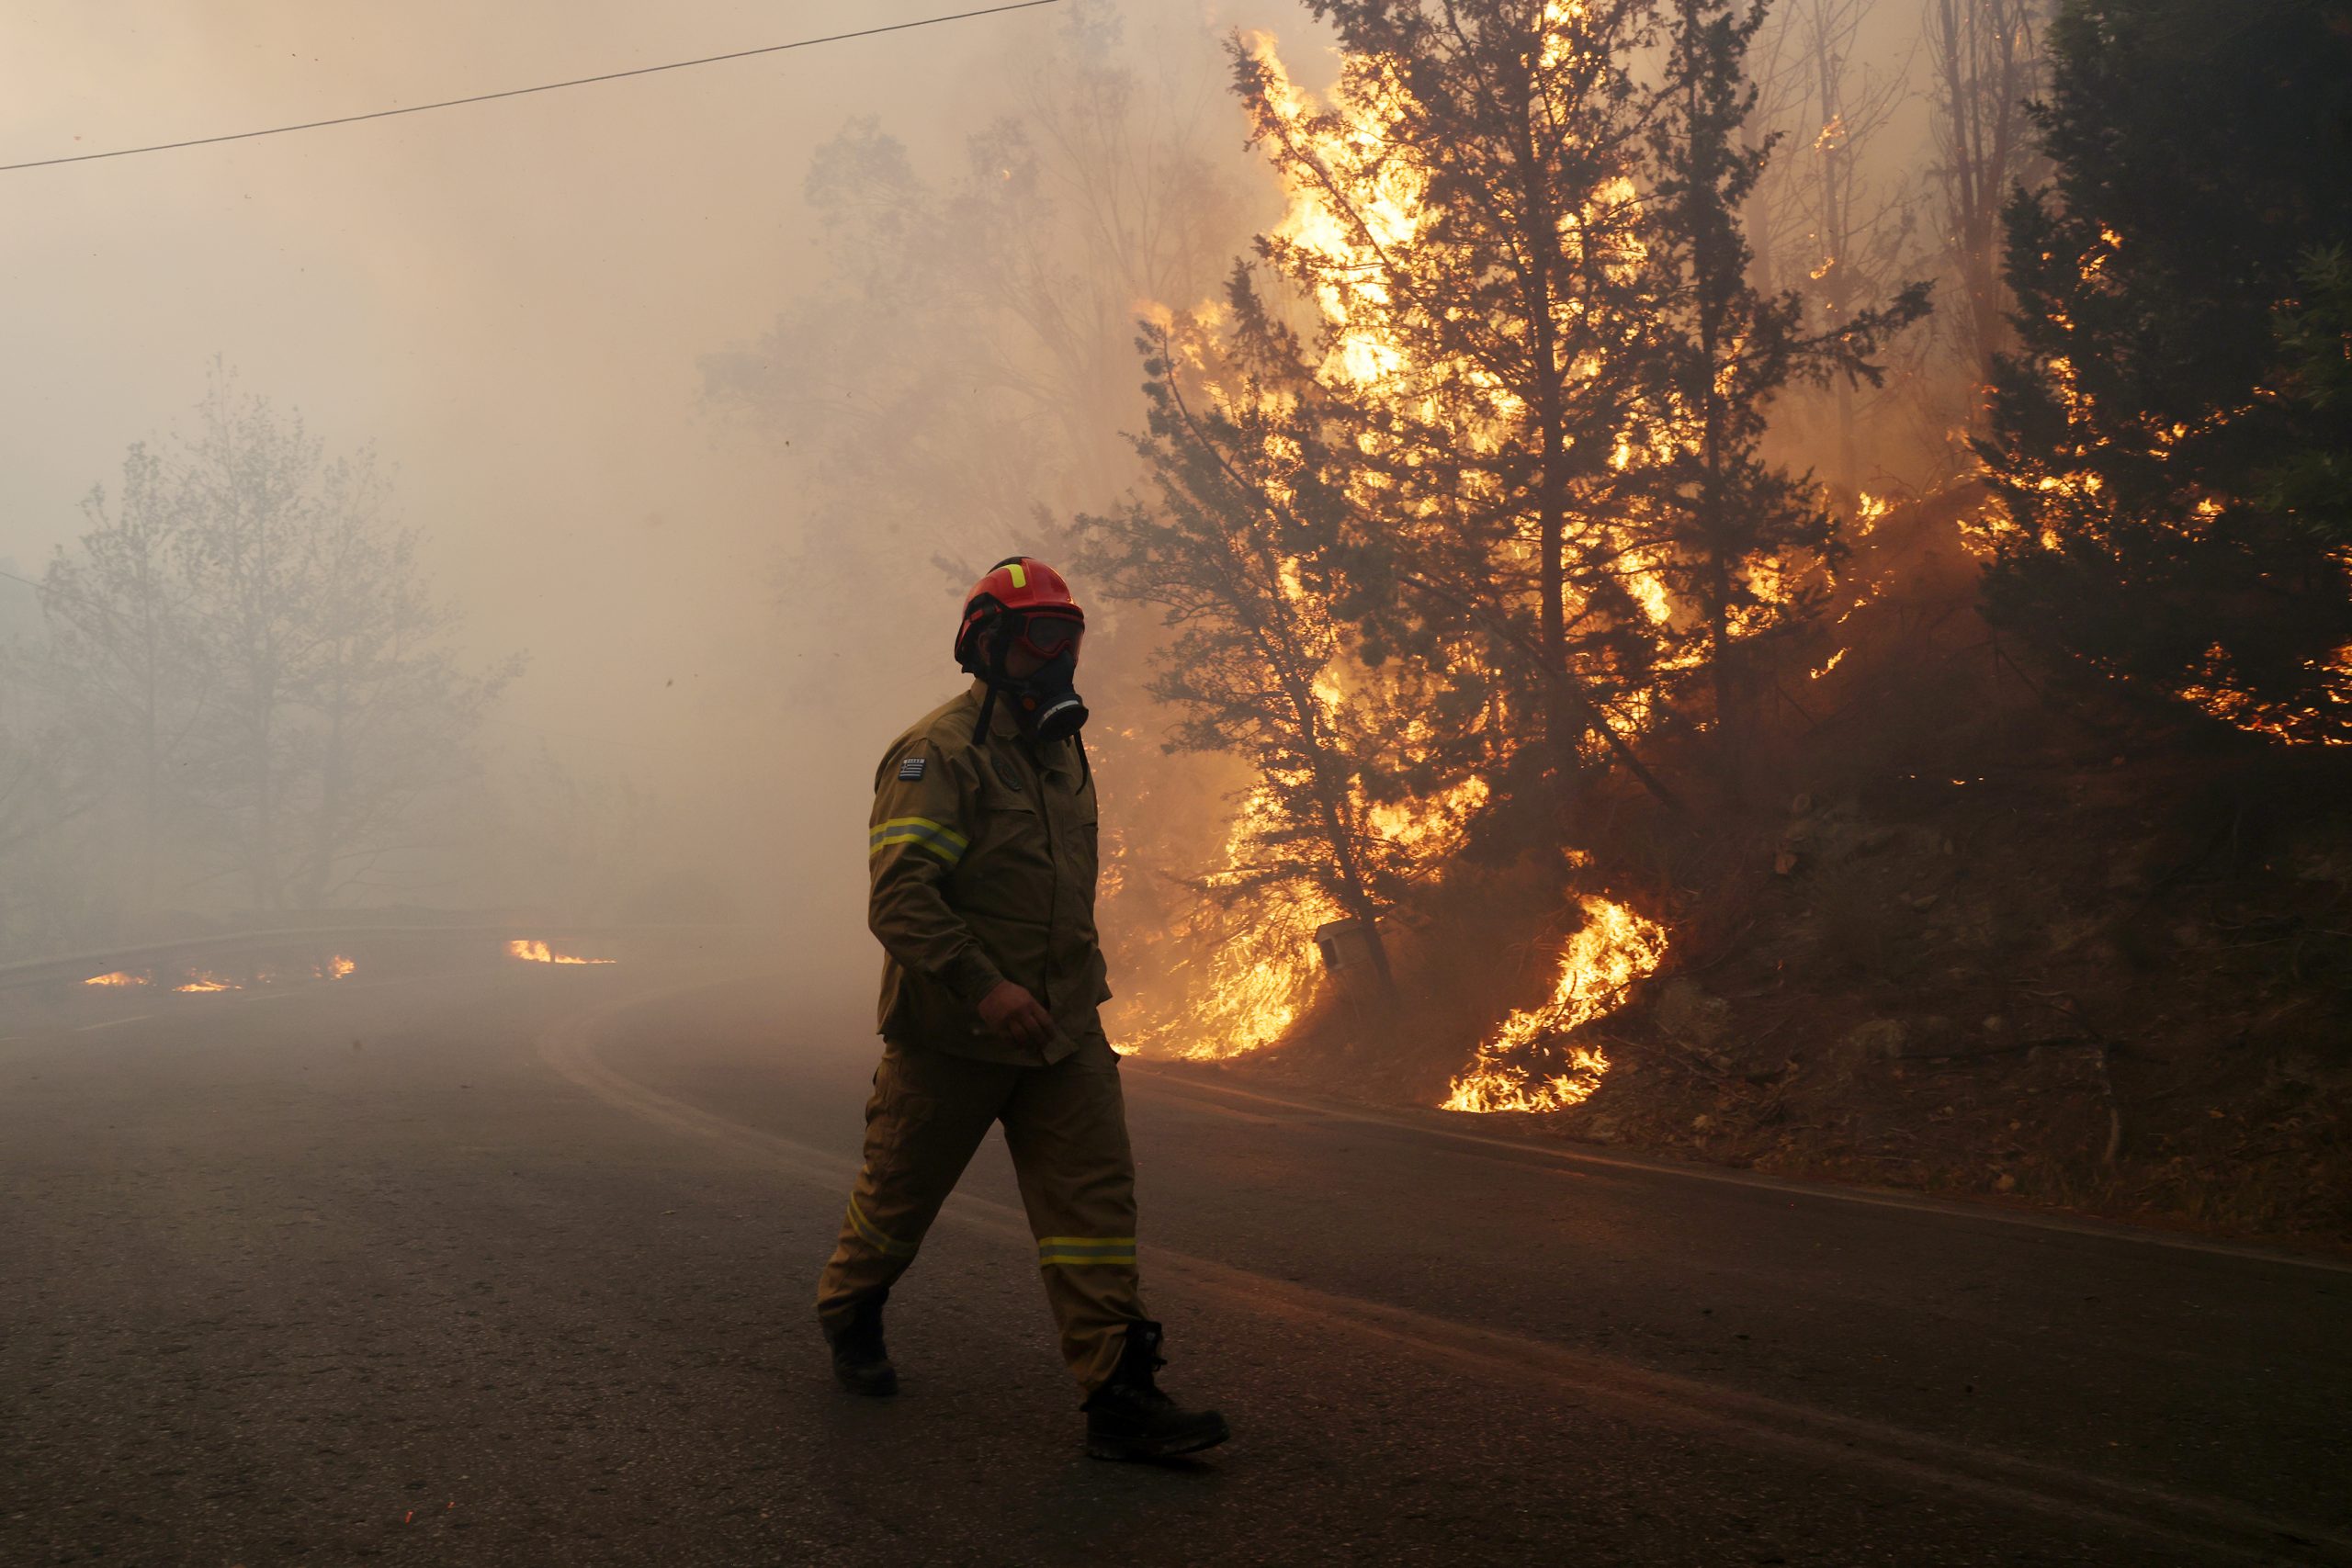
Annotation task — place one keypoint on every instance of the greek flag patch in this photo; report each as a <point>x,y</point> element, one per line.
<point>912,768</point>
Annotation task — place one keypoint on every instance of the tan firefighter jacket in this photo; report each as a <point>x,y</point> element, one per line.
<point>983,862</point>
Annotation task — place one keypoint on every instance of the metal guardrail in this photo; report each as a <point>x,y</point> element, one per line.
<point>35,971</point>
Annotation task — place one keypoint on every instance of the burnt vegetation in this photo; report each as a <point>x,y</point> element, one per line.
<point>1763,580</point>
<point>1544,516</point>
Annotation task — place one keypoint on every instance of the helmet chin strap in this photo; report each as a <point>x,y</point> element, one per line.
<point>997,653</point>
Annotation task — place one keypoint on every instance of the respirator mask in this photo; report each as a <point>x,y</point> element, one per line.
<point>1045,701</point>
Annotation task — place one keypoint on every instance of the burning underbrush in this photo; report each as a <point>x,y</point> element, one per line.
<point>212,982</point>
<point>1951,930</point>
<point>532,951</point>
<point>1519,1067</point>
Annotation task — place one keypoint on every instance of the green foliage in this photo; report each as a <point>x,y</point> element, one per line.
<point>2311,482</point>
<point>2154,443</point>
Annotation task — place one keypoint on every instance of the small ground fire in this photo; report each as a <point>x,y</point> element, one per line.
<point>532,952</point>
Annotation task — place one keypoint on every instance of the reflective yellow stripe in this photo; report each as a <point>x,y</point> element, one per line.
<point>946,843</point>
<point>926,840</point>
<point>874,1236</point>
<point>921,824</point>
<point>1020,577</point>
<point>1086,1251</point>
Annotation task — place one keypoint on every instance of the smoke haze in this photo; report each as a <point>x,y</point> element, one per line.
<point>543,314</point>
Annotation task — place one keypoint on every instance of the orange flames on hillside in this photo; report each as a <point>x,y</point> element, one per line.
<point>204,981</point>
<point>532,952</point>
<point>2078,487</point>
<point>1256,982</point>
<point>1614,948</point>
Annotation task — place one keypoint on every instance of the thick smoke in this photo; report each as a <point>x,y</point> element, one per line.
<point>702,392</point>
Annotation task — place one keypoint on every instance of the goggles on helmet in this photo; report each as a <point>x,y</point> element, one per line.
<point>1043,633</point>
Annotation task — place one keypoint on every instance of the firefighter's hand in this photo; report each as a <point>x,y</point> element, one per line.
<point>1012,1011</point>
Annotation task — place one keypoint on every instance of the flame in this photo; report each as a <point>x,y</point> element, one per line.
<point>1244,987</point>
<point>118,978</point>
<point>2223,696</point>
<point>540,953</point>
<point>2066,478</point>
<point>1355,189</point>
<point>1259,981</point>
<point>336,968</point>
<point>203,982</point>
<point>1614,948</point>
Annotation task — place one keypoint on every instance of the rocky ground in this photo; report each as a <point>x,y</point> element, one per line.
<point>1987,940</point>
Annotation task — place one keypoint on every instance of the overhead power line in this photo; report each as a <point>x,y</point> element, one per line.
<point>526,92</point>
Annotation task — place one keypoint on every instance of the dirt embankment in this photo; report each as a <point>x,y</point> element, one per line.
<point>1985,940</point>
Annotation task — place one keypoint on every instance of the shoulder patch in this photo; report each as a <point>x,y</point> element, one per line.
<point>912,768</point>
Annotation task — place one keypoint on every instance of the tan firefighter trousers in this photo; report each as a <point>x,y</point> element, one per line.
<point>1066,1127</point>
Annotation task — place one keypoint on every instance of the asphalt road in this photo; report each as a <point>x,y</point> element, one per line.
<point>514,1265</point>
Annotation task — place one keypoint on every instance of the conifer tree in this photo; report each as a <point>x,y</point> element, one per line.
<point>1232,546</point>
<point>1746,539</point>
<point>1468,221</point>
<point>2201,154</point>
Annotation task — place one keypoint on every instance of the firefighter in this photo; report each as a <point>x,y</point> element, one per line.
<point>982,852</point>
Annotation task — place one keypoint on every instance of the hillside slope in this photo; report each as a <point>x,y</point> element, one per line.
<point>1972,932</point>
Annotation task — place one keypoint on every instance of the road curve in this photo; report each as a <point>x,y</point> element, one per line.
<point>516,1267</point>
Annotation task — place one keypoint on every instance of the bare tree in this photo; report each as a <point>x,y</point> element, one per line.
<point>123,664</point>
<point>1987,63</point>
<point>1823,224</point>
<point>972,355</point>
<point>341,707</point>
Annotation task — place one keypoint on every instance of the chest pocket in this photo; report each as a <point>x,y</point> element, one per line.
<point>1009,874</point>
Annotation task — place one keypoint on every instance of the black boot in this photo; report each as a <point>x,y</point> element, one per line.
<point>860,1361</point>
<point>1128,1417</point>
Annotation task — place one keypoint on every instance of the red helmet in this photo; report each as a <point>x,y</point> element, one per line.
<point>1033,601</point>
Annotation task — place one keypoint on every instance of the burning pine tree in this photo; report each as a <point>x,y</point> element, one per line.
<point>1493,513</point>
<point>2173,300</point>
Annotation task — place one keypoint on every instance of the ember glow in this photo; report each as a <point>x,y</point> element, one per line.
<point>1254,980</point>
<point>1614,948</point>
<point>205,984</point>
<point>540,953</point>
<point>1258,982</point>
<point>1355,191</point>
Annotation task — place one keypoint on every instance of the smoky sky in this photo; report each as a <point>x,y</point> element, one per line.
<point>510,301</point>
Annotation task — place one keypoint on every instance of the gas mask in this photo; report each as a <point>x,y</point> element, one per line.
<point>1047,704</point>
<point>1046,701</point>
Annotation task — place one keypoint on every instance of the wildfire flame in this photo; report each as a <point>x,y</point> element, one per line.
<point>2218,689</point>
<point>118,978</point>
<point>1253,985</point>
<point>205,984</point>
<point>336,968</point>
<point>1614,948</point>
<point>540,953</point>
